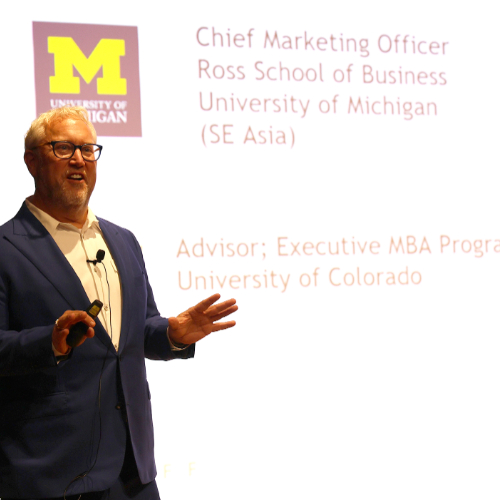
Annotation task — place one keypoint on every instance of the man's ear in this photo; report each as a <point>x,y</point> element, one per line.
<point>32,161</point>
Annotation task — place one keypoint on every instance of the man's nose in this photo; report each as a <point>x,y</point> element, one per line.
<point>77,158</point>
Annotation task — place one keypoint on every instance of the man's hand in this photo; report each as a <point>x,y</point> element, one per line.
<point>64,323</point>
<point>199,321</point>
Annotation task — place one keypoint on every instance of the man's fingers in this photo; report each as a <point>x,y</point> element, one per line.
<point>88,335</point>
<point>224,313</point>
<point>199,321</point>
<point>222,326</point>
<point>70,318</point>
<point>219,308</point>
<point>205,304</point>
<point>208,307</point>
<point>63,325</point>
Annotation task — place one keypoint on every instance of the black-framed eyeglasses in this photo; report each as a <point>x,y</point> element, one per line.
<point>65,150</point>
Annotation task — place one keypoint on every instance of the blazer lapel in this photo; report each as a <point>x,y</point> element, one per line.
<point>117,247</point>
<point>31,238</point>
<point>35,243</point>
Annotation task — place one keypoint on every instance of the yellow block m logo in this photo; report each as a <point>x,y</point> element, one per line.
<point>67,54</point>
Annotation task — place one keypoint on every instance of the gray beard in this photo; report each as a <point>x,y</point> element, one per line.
<point>73,198</point>
<point>65,197</point>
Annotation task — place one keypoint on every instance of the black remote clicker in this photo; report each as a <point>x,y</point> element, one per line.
<point>77,331</point>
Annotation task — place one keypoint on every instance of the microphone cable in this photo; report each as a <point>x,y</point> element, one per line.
<point>98,260</point>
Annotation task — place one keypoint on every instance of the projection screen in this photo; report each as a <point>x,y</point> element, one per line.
<point>333,166</point>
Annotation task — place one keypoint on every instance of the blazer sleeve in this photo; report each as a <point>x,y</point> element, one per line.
<point>156,344</point>
<point>26,351</point>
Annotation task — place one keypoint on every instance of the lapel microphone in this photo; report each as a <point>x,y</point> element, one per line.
<point>98,258</point>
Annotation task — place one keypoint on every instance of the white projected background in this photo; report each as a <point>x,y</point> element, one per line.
<point>351,208</point>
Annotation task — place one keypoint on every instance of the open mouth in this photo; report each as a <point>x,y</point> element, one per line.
<point>76,177</point>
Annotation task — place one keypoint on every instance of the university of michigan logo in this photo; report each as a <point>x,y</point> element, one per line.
<point>93,66</point>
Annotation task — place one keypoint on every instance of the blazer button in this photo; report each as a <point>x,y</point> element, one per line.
<point>118,407</point>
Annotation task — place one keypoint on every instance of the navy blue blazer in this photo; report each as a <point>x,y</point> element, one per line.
<point>50,426</point>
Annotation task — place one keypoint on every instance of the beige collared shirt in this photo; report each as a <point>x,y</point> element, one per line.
<point>78,246</point>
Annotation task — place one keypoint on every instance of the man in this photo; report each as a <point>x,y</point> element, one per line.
<point>77,421</point>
